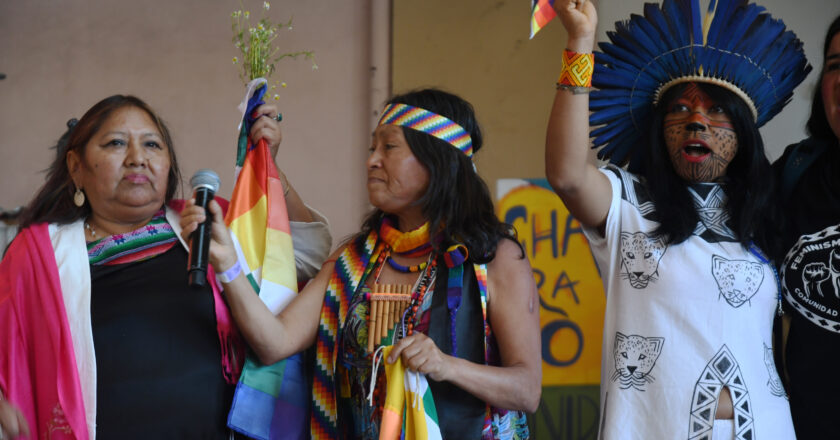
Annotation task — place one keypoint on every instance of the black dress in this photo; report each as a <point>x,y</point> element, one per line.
<point>811,281</point>
<point>158,357</point>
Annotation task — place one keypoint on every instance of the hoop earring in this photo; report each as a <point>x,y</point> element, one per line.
<point>79,197</point>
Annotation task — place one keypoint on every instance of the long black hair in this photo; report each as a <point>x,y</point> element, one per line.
<point>818,126</point>
<point>54,201</point>
<point>748,181</point>
<point>457,202</point>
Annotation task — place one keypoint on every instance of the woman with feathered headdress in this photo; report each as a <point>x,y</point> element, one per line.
<point>680,234</point>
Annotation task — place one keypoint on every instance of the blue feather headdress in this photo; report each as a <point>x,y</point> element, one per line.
<point>736,45</point>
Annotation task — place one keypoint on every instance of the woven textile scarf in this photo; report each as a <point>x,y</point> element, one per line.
<point>351,269</point>
<point>155,238</point>
<point>413,243</point>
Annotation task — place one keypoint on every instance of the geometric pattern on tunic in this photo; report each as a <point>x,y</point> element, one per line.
<point>722,371</point>
<point>634,192</point>
<point>709,200</point>
<point>714,219</point>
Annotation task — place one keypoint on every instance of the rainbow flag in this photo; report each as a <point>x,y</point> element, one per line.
<point>542,11</point>
<point>270,401</point>
<point>409,412</point>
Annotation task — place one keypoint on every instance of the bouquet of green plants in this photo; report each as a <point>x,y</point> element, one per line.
<point>258,46</point>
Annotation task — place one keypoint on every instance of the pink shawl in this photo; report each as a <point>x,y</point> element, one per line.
<point>38,372</point>
<point>37,364</point>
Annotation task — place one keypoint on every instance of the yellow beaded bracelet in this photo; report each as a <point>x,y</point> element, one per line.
<point>577,69</point>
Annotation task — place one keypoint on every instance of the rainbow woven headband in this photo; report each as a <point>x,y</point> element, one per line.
<point>736,45</point>
<point>434,124</point>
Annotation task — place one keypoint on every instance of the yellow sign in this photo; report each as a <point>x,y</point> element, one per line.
<point>572,296</point>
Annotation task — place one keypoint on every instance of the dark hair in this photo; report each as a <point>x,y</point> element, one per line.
<point>457,201</point>
<point>54,200</point>
<point>818,126</point>
<point>748,181</point>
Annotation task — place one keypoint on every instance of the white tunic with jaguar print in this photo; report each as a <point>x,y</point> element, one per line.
<point>683,322</point>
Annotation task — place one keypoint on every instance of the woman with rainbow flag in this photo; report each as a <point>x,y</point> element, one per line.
<point>469,321</point>
<point>100,334</point>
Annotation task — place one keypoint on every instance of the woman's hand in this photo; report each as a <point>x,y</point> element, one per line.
<point>419,353</point>
<point>267,127</point>
<point>12,422</point>
<point>222,253</point>
<point>580,20</point>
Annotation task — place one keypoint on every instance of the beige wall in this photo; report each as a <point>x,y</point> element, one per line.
<point>480,50</point>
<point>62,56</point>
<point>809,19</point>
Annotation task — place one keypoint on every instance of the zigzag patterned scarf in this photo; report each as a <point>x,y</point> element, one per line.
<point>351,270</point>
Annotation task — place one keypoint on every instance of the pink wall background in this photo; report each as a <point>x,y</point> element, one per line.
<point>62,56</point>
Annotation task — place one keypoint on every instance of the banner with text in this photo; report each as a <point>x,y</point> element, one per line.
<point>572,305</point>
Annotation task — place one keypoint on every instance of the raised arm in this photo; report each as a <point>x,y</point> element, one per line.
<point>268,128</point>
<point>310,230</point>
<point>585,191</point>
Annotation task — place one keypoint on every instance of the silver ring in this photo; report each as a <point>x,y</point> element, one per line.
<point>277,118</point>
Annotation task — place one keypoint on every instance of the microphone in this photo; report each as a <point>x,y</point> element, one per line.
<point>205,183</point>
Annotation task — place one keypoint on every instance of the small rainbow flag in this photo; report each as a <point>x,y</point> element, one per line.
<point>270,400</point>
<point>542,11</point>
<point>409,412</point>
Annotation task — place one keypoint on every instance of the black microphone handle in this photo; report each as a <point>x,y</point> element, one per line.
<point>200,241</point>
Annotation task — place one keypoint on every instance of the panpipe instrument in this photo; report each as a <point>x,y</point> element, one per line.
<point>387,305</point>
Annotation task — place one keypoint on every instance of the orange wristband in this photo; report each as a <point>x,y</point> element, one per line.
<point>577,69</point>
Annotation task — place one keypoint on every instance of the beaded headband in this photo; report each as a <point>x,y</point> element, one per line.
<point>419,119</point>
<point>736,45</point>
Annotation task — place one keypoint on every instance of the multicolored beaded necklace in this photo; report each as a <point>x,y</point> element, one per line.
<point>422,286</point>
<point>411,244</point>
<point>405,269</point>
<point>416,243</point>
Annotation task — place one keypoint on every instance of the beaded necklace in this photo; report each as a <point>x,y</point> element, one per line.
<point>405,269</point>
<point>411,244</point>
<point>416,243</point>
<point>422,286</point>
